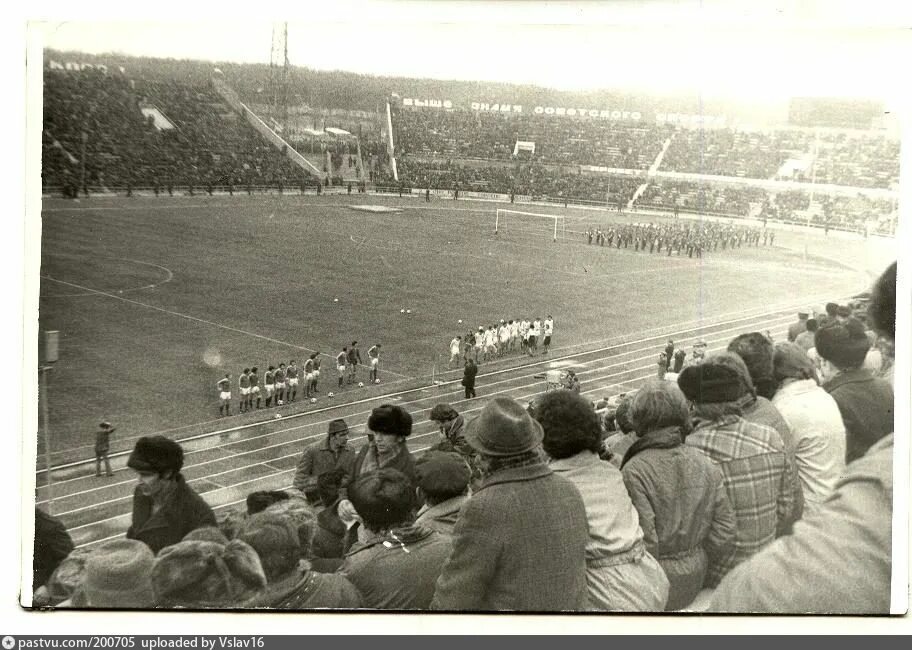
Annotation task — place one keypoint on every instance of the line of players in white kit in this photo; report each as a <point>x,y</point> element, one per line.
<point>281,384</point>
<point>521,335</point>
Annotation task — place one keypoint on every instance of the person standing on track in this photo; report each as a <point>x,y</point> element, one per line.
<point>374,355</point>
<point>468,378</point>
<point>341,361</point>
<point>102,446</point>
<point>224,387</point>
<point>244,390</point>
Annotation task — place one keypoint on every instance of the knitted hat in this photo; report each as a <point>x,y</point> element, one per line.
<point>392,419</point>
<point>156,454</point>
<point>503,428</point>
<point>790,361</point>
<point>119,574</point>
<point>275,539</point>
<point>207,575</point>
<point>443,413</point>
<point>718,378</point>
<point>337,426</point>
<point>845,345</point>
<point>442,472</point>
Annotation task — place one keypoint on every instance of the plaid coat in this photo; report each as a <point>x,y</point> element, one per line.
<point>756,476</point>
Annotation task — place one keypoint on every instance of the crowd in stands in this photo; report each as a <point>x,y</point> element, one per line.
<point>855,160</point>
<point>558,140</point>
<point>758,479</point>
<point>701,197</point>
<point>209,144</point>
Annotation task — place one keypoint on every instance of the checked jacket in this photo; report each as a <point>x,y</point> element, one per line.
<point>757,478</point>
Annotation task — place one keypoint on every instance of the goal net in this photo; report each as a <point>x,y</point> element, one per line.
<point>531,223</point>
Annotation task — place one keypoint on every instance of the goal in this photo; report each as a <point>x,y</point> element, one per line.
<point>535,223</point>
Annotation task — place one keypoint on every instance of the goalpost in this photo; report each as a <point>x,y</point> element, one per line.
<point>535,222</point>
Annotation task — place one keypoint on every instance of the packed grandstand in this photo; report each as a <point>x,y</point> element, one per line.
<point>122,124</point>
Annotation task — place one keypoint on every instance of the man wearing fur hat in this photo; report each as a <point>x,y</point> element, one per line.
<point>165,507</point>
<point>520,541</point>
<point>865,401</point>
<point>752,457</point>
<point>388,426</point>
<point>332,453</point>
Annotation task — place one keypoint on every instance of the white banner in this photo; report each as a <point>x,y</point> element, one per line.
<point>523,145</point>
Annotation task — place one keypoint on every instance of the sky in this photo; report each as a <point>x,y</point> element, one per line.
<point>769,50</point>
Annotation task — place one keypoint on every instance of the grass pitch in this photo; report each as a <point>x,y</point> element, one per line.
<point>157,298</point>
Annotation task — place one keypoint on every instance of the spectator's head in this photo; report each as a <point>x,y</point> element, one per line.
<point>391,425</point>
<point>444,416</point>
<point>262,499</point>
<point>302,517</point>
<point>201,575</point>
<point>383,499</point>
<point>756,350</point>
<point>622,414</point>
<point>206,534</point>
<point>118,574</point>
<point>274,538</point>
<point>337,434</point>
<point>328,485</point>
<point>842,346</point>
<point>791,363</point>
<point>504,435</point>
<point>659,405</point>
<point>843,312</point>
<point>882,308</point>
<point>569,423</point>
<point>441,475</point>
<point>812,325</point>
<point>158,461</point>
<point>802,315</point>
<point>717,385</point>
<point>831,308</point>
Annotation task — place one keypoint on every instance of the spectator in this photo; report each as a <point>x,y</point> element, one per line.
<point>165,507</point>
<point>752,457</point>
<point>332,537</point>
<point>396,561</point>
<point>388,426</point>
<point>685,514</point>
<point>865,402</point>
<point>839,561</point>
<point>797,328</point>
<point>805,340</point>
<point>830,310</point>
<point>621,574</point>
<point>118,575</point>
<point>319,458</point>
<point>291,583</point>
<point>520,541</point>
<point>442,478</point>
<point>618,443</point>
<point>65,586</point>
<point>814,420</point>
<point>882,315</point>
<point>207,575</point>
<point>756,351</point>
<point>52,546</point>
<point>452,426</point>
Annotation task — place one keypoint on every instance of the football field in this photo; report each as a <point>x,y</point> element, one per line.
<point>157,298</point>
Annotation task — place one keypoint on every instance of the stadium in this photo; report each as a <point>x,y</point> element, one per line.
<point>200,219</point>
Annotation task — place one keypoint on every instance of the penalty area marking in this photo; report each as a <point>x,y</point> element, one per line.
<point>169,275</point>
<point>204,321</point>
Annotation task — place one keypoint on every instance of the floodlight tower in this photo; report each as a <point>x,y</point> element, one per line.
<point>278,72</point>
